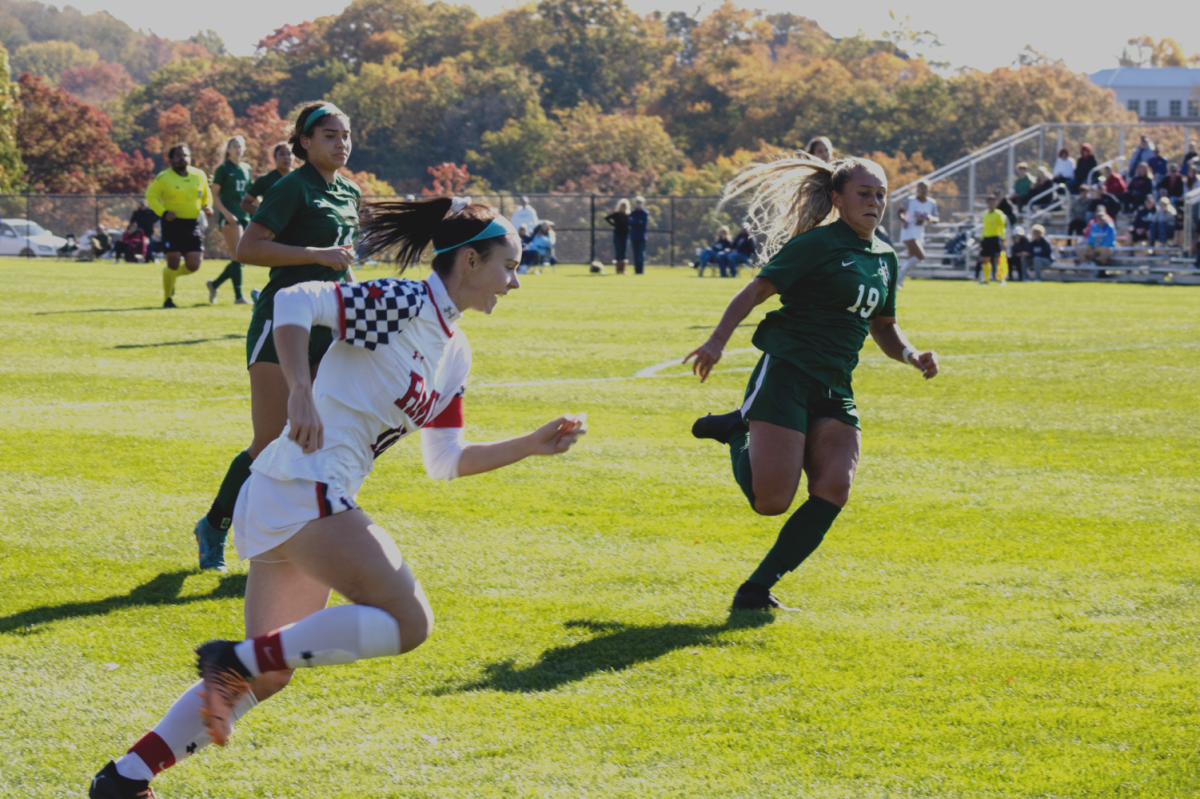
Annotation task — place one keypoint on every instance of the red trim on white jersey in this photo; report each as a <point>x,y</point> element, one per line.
<point>433,302</point>
<point>451,415</point>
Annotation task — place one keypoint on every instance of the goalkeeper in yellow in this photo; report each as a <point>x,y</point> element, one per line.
<point>179,195</point>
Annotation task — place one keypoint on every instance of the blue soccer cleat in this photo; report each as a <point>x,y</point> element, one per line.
<point>211,543</point>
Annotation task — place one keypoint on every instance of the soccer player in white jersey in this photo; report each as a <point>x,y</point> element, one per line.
<point>915,213</point>
<point>398,364</point>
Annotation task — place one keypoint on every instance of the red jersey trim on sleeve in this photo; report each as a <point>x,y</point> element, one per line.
<point>451,416</point>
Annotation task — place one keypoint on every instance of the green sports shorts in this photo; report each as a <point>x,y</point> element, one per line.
<point>783,394</point>
<point>260,343</point>
<point>243,219</point>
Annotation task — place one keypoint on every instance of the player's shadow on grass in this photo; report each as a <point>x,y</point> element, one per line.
<point>618,647</point>
<point>183,343</point>
<point>107,310</point>
<point>162,590</point>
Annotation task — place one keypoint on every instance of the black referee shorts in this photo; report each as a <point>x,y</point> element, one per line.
<point>182,235</point>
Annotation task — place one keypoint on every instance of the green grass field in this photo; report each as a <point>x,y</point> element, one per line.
<point>1007,607</point>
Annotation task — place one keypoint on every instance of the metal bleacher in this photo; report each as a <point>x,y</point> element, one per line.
<point>961,189</point>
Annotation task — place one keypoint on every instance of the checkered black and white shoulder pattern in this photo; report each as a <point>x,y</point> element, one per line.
<point>379,309</point>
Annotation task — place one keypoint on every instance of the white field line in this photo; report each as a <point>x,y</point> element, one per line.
<point>650,372</point>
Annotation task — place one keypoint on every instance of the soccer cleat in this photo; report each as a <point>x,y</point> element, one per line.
<point>242,301</point>
<point>254,295</point>
<point>109,784</point>
<point>211,544</point>
<point>753,596</point>
<point>212,292</point>
<point>226,681</point>
<point>721,427</point>
<point>169,303</point>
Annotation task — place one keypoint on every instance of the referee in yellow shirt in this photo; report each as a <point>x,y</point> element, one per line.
<point>179,195</point>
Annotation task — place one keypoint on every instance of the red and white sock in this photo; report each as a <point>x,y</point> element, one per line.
<point>329,637</point>
<point>179,734</point>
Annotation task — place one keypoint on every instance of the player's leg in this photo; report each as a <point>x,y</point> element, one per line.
<point>390,615</point>
<point>916,254</point>
<point>170,274</point>
<point>277,594</point>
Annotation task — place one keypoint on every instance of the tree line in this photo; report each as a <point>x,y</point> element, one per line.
<point>559,95</point>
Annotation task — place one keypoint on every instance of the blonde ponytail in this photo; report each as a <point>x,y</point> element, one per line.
<point>791,195</point>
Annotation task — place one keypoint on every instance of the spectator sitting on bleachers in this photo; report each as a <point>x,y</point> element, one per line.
<point>543,242</point>
<point>1020,254</point>
<point>741,252</point>
<point>1158,165</point>
<point>1142,218</point>
<point>1022,186</point>
<point>528,254</point>
<point>1191,176</point>
<point>1172,185</point>
<point>1005,207</point>
<point>1188,157</point>
<point>721,245</point>
<point>1043,253</point>
<point>1064,167</point>
<point>1162,224</point>
<point>1140,155</point>
<point>1114,184</point>
<point>132,246</point>
<point>1038,194</point>
<point>1098,247</point>
<point>1098,198</point>
<point>1141,186</point>
<point>1083,167</point>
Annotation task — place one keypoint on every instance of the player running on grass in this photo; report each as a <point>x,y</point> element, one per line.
<point>399,364</point>
<point>303,230</point>
<point>179,195</point>
<point>837,282</point>
<point>230,182</point>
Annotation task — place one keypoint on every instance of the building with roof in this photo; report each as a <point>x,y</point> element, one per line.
<point>1155,94</point>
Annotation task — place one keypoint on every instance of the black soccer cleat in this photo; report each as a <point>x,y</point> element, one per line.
<point>720,427</point>
<point>754,596</point>
<point>169,303</point>
<point>226,681</point>
<point>109,784</point>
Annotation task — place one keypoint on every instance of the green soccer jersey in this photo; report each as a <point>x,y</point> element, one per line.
<point>305,211</point>
<point>263,183</point>
<point>233,179</point>
<point>832,283</point>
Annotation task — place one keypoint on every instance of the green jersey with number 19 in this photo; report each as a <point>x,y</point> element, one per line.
<point>304,211</point>
<point>831,283</point>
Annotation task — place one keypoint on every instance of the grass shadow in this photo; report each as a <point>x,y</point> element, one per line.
<point>101,310</point>
<point>161,590</point>
<point>184,343</point>
<point>616,647</point>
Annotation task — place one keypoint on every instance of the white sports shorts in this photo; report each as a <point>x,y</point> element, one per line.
<point>269,512</point>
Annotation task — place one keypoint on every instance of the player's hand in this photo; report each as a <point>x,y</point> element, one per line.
<point>169,216</point>
<point>229,220</point>
<point>556,437</point>
<point>208,211</point>
<point>927,363</point>
<point>304,423</point>
<point>335,257</point>
<point>706,355</point>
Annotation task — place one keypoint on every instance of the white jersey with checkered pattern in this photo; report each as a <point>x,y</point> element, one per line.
<point>399,363</point>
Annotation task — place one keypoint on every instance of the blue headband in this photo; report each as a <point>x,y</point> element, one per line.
<point>497,227</point>
<point>319,112</point>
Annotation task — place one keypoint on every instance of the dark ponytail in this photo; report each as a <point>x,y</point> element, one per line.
<point>405,228</point>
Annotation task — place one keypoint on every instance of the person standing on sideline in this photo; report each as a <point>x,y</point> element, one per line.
<point>915,214</point>
<point>259,188</point>
<point>995,226</point>
<point>821,147</point>
<point>619,219</point>
<point>230,182</point>
<point>179,195</point>
<point>304,230</point>
<point>298,522</point>
<point>525,215</point>
<point>639,221</point>
<point>836,281</point>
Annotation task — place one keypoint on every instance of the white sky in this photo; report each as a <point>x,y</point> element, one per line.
<point>984,36</point>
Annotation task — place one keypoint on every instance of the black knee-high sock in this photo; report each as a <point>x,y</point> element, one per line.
<point>220,515</point>
<point>802,533</point>
<point>235,277</point>
<point>739,453</point>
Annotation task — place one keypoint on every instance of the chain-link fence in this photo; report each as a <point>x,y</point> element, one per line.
<point>678,225</point>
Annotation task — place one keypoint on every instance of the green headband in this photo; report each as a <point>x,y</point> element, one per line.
<point>320,112</point>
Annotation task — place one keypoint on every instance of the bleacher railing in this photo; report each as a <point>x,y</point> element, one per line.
<point>678,224</point>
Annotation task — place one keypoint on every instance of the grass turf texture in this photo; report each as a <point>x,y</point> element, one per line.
<point>1006,608</point>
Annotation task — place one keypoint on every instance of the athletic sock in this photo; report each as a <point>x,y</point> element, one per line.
<point>180,733</point>
<point>801,534</point>
<point>329,637</point>
<point>739,453</point>
<point>235,277</point>
<point>220,515</point>
<point>169,277</point>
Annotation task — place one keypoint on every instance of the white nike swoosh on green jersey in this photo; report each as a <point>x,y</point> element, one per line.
<point>848,263</point>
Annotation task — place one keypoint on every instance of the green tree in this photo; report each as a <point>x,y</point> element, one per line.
<point>11,168</point>
<point>51,59</point>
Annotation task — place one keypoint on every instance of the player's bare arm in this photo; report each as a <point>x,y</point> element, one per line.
<point>755,293</point>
